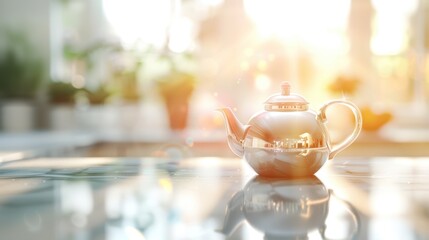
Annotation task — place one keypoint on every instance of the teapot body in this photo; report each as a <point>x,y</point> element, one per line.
<point>287,139</point>
<point>286,144</point>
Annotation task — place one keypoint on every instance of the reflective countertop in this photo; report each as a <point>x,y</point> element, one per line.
<point>211,198</point>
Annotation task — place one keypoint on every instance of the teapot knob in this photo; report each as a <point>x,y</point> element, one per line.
<point>285,88</point>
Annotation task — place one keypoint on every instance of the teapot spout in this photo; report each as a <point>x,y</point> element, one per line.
<point>234,214</point>
<point>236,131</point>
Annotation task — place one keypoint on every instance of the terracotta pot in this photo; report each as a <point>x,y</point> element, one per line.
<point>177,110</point>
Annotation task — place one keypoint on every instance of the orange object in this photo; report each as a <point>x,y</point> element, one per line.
<point>372,121</point>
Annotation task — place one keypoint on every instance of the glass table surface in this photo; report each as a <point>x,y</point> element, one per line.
<point>211,198</point>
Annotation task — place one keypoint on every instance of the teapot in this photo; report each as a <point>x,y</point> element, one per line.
<point>287,139</point>
<point>288,209</point>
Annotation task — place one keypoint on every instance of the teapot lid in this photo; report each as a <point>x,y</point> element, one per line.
<point>286,101</point>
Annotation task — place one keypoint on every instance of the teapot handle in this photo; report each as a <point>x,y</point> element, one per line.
<point>354,214</point>
<point>358,125</point>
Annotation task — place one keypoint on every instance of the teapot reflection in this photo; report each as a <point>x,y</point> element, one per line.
<point>284,208</point>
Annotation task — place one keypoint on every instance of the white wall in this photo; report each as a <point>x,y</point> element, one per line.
<point>32,18</point>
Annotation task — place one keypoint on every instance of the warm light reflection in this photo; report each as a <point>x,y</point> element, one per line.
<point>138,20</point>
<point>310,22</point>
<point>166,184</point>
<point>262,82</point>
<point>390,26</point>
<point>181,35</point>
<point>394,7</point>
<point>313,36</point>
<point>205,105</point>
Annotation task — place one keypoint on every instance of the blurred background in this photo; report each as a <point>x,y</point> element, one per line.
<point>156,69</point>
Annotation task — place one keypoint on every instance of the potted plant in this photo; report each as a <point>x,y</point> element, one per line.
<point>21,75</point>
<point>176,88</point>
<point>125,87</point>
<point>92,111</point>
<point>62,93</point>
<point>125,83</point>
<point>62,105</point>
<point>98,96</point>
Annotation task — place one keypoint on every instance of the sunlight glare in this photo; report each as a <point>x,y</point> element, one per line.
<point>262,82</point>
<point>390,26</point>
<point>138,20</point>
<point>298,20</point>
<point>395,7</point>
<point>180,35</point>
<point>389,36</point>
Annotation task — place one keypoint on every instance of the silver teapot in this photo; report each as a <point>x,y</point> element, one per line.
<point>287,139</point>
